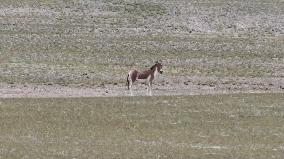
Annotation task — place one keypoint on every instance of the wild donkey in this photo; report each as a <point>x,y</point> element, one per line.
<point>149,75</point>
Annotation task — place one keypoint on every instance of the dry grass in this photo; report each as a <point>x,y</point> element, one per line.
<point>219,126</point>
<point>55,42</point>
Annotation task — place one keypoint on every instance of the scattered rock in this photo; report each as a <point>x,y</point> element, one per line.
<point>212,85</point>
<point>102,85</point>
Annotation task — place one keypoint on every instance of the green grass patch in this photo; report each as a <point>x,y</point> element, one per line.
<point>29,60</point>
<point>214,126</point>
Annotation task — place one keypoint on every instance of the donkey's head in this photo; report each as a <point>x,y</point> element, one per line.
<point>158,65</point>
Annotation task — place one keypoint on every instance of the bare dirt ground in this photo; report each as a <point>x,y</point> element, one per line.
<point>190,86</point>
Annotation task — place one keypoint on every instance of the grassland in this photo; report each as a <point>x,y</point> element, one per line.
<point>216,126</point>
<point>56,41</point>
<point>206,47</point>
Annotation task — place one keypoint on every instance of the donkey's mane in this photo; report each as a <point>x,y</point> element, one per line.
<point>153,67</point>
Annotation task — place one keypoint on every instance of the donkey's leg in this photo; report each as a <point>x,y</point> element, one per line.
<point>147,89</point>
<point>130,82</point>
<point>130,87</point>
<point>147,83</point>
<point>150,88</point>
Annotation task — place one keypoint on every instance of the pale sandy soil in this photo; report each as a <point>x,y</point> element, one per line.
<point>192,86</point>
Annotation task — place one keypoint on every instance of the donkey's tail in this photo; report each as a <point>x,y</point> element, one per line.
<point>127,80</point>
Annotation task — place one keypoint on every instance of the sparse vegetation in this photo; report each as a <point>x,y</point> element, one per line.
<point>53,41</point>
<point>207,47</point>
<point>218,126</point>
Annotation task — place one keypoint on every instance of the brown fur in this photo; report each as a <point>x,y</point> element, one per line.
<point>134,75</point>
